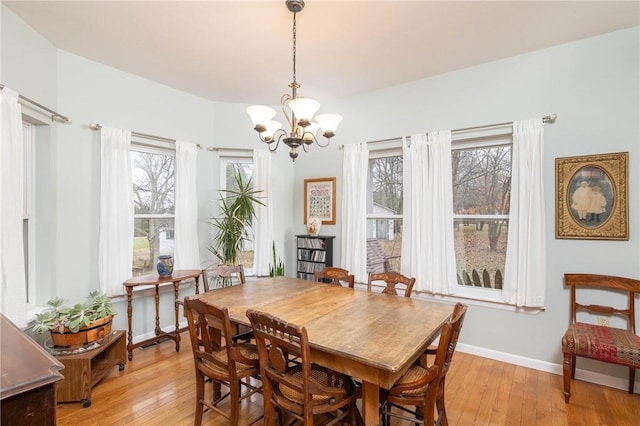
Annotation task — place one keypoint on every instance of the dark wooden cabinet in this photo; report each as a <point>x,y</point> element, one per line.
<point>314,254</point>
<point>27,382</point>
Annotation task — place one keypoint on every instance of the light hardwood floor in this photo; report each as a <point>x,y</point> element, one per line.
<point>157,388</point>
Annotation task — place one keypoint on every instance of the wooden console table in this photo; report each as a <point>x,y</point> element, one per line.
<point>176,278</point>
<point>82,371</point>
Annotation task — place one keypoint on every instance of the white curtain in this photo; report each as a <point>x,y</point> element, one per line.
<point>187,249</point>
<point>428,252</point>
<point>13,292</point>
<point>354,210</point>
<point>263,224</point>
<point>115,251</point>
<point>525,269</point>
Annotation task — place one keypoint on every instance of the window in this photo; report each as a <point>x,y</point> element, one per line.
<point>481,194</point>
<point>229,166</point>
<point>481,185</point>
<point>152,172</point>
<point>28,211</point>
<point>384,211</point>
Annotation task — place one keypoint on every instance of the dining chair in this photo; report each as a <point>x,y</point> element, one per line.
<point>600,342</point>
<point>304,391</point>
<point>394,281</point>
<point>422,386</point>
<point>224,275</point>
<point>217,358</point>
<point>336,276</point>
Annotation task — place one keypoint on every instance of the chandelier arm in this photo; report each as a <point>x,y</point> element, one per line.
<point>275,138</point>
<point>284,102</point>
<point>320,145</point>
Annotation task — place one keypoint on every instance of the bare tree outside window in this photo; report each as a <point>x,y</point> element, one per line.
<point>154,208</point>
<point>481,195</point>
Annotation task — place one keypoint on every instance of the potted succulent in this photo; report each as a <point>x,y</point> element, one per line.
<point>81,324</point>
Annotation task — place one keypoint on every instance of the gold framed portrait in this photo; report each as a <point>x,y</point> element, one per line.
<point>592,194</point>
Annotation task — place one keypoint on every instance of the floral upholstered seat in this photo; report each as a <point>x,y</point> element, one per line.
<point>602,343</point>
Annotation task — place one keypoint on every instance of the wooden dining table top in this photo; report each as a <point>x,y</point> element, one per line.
<point>367,335</point>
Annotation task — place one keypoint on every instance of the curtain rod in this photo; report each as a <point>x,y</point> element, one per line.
<point>54,115</point>
<point>98,126</point>
<point>545,119</point>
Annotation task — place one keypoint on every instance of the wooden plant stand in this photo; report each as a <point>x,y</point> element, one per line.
<point>84,370</point>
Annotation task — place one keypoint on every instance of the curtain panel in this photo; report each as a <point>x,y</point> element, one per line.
<point>428,252</point>
<point>354,210</point>
<point>525,269</point>
<point>115,250</point>
<point>187,249</point>
<point>263,223</point>
<point>13,294</point>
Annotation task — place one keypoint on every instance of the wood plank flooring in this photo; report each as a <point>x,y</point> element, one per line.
<point>158,388</point>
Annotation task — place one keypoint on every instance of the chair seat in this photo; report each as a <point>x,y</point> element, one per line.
<point>602,343</point>
<point>222,366</point>
<point>338,385</point>
<point>415,373</point>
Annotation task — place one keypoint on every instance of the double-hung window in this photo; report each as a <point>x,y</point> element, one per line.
<point>384,210</point>
<point>481,182</point>
<point>481,185</point>
<point>153,171</point>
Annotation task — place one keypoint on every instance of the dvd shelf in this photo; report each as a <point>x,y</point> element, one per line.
<point>314,254</point>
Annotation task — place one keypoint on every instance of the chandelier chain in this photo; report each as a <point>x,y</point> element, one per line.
<point>294,47</point>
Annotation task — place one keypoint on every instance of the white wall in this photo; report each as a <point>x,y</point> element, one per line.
<point>592,85</point>
<point>90,92</point>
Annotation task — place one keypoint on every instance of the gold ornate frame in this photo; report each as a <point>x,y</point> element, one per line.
<point>320,199</point>
<point>592,197</point>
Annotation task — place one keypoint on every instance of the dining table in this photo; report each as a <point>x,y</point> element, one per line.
<point>369,336</point>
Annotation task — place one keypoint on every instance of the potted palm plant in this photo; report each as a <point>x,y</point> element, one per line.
<point>77,325</point>
<point>233,225</point>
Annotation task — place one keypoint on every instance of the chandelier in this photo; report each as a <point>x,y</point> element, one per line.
<point>298,111</point>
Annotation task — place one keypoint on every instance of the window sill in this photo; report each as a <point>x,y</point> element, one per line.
<point>486,298</point>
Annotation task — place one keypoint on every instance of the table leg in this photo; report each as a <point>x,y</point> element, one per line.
<point>130,332</point>
<point>176,286</point>
<point>157,330</point>
<point>370,403</point>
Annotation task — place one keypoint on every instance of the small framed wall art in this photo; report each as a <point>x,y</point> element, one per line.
<point>320,200</point>
<point>592,197</point>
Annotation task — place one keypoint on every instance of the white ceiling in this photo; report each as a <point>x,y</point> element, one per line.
<point>240,51</point>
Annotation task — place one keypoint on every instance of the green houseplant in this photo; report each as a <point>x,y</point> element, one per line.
<point>237,210</point>
<point>277,268</point>
<point>88,321</point>
<point>233,224</point>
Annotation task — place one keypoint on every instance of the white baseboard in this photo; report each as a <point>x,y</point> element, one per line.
<point>585,375</point>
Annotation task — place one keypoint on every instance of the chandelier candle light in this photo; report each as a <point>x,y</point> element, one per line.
<point>298,111</point>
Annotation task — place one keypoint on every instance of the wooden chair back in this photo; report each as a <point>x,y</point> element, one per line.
<point>604,282</point>
<point>423,385</point>
<point>394,281</point>
<point>587,339</point>
<point>222,276</point>
<point>300,388</point>
<point>336,276</point>
<point>218,358</point>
